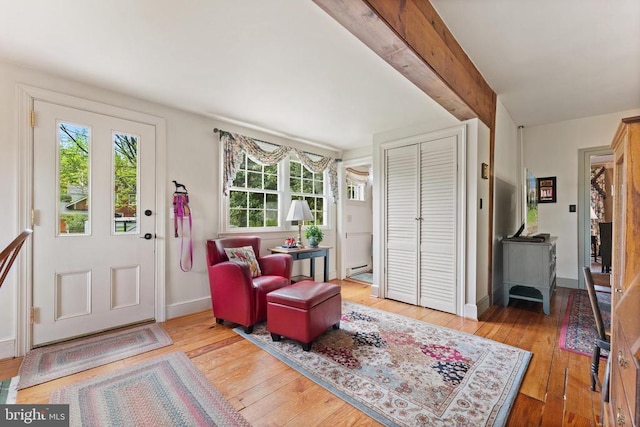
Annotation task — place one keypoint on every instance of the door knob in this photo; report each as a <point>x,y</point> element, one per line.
<point>148,212</point>
<point>147,236</point>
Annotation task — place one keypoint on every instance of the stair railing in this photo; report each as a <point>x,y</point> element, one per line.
<point>9,254</point>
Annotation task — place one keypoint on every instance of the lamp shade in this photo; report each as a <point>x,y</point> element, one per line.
<point>593,214</point>
<point>299,211</point>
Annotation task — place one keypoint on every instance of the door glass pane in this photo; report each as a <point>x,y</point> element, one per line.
<point>125,183</point>
<point>73,179</point>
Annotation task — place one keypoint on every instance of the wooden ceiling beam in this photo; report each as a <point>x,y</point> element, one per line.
<point>412,38</point>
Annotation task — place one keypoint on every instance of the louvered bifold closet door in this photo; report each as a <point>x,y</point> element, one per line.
<point>438,227</point>
<point>401,167</point>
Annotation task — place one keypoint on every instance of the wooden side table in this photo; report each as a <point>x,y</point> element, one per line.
<point>307,253</point>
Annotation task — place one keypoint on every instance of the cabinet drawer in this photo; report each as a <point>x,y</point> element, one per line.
<point>305,255</point>
<point>628,369</point>
<point>621,414</point>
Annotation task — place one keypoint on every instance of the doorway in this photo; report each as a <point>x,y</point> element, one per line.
<point>42,115</point>
<point>94,196</point>
<point>357,221</point>
<point>596,212</point>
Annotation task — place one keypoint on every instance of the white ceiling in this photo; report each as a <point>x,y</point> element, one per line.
<point>287,67</point>
<point>552,60</point>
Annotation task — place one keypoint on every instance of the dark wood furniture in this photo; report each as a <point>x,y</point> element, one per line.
<point>307,253</point>
<point>624,402</point>
<point>605,246</point>
<point>602,342</point>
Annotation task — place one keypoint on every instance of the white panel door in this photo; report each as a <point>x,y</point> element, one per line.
<point>401,182</point>
<point>438,225</point>
<point>93,181</point>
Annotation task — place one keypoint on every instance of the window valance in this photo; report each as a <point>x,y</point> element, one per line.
<point>356,177</point>
<point>234,145</point>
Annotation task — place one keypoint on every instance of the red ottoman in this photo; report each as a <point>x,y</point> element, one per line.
<point>303,311</point>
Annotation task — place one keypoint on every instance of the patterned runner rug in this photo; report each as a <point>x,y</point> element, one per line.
<point>59,360</point>
<point>402,371</point>
<point>579,327</point>
<point>168,390</point>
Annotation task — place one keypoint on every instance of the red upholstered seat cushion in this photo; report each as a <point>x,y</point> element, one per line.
<point>304,295</point>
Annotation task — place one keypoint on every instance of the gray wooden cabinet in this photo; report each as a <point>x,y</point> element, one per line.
<point>529,270</point>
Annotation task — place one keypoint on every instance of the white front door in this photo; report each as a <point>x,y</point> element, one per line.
<point>94,189</point>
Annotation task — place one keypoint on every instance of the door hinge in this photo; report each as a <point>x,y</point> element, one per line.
<point>33,218</point>
<point>33,118</point>
<point>32,315</point>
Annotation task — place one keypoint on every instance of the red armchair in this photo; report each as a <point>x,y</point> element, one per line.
<point>235,295</point>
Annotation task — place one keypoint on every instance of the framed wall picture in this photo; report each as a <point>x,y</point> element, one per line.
<point>547,190</point>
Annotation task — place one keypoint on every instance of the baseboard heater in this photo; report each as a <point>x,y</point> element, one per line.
<point>358,269</point>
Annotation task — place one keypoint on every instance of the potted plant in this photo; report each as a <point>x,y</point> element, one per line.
<point>314,235</point>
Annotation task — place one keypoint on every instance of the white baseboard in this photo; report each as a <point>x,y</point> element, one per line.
<point>188,307</point>
<point>483,305</point>
<point>471,311</point>
<point>563,282</point>
<point>8,349</point>
<point>375,291</point>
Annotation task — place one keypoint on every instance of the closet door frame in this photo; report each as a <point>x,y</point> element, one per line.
<point>460,132</point>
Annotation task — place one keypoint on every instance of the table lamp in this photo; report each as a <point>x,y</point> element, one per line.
<point>299,211</point>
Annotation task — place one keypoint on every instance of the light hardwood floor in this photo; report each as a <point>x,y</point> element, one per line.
<point>555,390</point>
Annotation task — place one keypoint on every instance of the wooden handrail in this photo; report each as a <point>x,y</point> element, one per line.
<point>9,254</point>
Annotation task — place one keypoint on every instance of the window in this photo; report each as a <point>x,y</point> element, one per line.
<point>309,186</point>
<point>356,191</point>
<point>259,199</point>
<point>74,149</point>
<point>254,197</point>
<point>125,183</point>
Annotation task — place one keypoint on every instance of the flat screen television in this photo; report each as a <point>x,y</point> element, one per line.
<point>530,210</point>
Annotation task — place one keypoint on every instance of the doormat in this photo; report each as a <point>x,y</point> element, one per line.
<point>168,390</point>
<point>9,390</point>
<point>402,371</point>
<point>363,277</point>
<point>59,360</point>
<point>579,327</point>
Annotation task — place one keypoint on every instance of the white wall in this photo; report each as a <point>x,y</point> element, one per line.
<point>192,159</point>
<point>552,150</point>
<point>506,199</point>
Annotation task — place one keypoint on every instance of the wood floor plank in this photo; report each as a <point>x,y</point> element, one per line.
<point>268,392</point>
<point>543,338</point>
<point>526,408</point>
<point>347,416</point>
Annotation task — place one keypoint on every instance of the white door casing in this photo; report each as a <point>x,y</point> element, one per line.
<point>97,279</point>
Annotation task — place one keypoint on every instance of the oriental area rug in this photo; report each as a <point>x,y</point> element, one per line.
<point>49,363</point>
<point>168,390</point>
<point>579,327</point>
<point>402,371</point>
